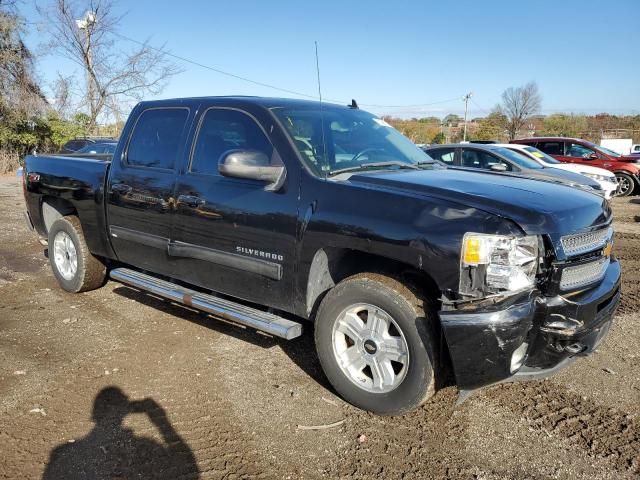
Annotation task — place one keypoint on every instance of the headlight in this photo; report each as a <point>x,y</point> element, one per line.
<point>492,264</point>
<point>599,178</point>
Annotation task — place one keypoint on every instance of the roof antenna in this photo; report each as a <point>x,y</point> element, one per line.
<point>325,165</point>
<point>353,105</point>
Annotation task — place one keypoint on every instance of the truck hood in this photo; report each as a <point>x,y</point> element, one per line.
<point>538,207</point>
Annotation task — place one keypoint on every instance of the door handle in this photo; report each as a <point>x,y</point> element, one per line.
<point>191,200</point>
<point>121,188</point>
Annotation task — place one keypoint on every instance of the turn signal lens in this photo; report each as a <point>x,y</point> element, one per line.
<point>472,251</point>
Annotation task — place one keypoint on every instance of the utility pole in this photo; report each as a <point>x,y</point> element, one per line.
<point>466,107</point>
<point>86,24</point>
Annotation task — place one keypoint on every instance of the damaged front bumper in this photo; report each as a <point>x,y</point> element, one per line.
<point>529,335</point>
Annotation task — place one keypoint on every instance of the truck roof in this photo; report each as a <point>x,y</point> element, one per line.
<point>266,102</point>
<point>477,146</point>
<point>571,139</point>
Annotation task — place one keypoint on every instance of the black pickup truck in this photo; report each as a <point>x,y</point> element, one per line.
<point>273,212</point>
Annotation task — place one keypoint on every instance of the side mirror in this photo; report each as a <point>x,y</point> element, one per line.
<point>499,167</point>
<point>253,165</point>
<point>593,156</point>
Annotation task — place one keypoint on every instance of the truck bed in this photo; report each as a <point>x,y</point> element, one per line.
<point>69,183</point>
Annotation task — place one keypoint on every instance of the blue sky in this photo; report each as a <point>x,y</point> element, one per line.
<point>582,53</point>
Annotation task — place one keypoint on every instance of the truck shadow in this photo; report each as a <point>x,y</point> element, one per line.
<point>300,350</point>
<point>111,450</point>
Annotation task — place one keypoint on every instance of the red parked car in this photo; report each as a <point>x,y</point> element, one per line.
<point>575,150</point>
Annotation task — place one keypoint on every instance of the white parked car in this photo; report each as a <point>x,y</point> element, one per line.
<point>605,178</point>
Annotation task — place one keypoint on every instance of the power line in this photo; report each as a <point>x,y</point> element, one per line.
<point>466,105</point>
<point>217,70</point>
<point>267,85</point>
<point>262,84</point>
<point>449,100</point>
<point>480,108</point>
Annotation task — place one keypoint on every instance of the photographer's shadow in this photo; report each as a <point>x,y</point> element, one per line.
<point>111,451</point>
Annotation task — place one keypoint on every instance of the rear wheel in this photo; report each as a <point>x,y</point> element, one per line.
<point>375,344</point>
<point>625,184</point>
<point>75,268</point>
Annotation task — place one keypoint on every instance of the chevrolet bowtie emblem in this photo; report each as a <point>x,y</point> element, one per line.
<point>606,251</point>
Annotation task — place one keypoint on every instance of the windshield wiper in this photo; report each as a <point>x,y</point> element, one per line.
<point>366,166</point>
<point>425,162</point>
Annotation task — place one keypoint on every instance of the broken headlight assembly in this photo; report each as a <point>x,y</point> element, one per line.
<point>498,264</point>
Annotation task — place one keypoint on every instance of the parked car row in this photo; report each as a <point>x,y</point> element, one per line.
<point>85,144</point>
<point>582,152</point>
<point>567,160</point>
<point>605,178</point>
<point>512,160</point>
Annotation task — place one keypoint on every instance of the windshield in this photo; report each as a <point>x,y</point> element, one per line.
<point>354,140</point>
<point>611,153</point>
<point>517,158</point>
<point>541,155</point>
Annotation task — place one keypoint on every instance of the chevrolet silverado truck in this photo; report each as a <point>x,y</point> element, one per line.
<point>278,214</point>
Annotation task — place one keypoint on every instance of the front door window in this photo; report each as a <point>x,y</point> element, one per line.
<point>576,150</point>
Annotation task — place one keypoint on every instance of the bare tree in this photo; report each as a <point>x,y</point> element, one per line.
<point>62,89</point>
<point>85,31</point>
<point>518,106</point>
<point>20,93</point>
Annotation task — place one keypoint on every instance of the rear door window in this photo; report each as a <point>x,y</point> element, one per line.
<point>551,148</point>
<point>75,145</point>
<point>472,158</point>
<point>445,155</point>
<point>156,138</point>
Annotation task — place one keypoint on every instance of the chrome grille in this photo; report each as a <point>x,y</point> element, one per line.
<point>579,243</point>
<point>582,275</point>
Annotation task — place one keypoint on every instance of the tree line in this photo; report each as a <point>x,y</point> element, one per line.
<point>590,127</point>
<point>518,115</point>
<point>109,79</point>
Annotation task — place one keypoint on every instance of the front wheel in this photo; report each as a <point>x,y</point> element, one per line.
<point>375,344</point>
<point>73,265</point>
<point>625,184</point>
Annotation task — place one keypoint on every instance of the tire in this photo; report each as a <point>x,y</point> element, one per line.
<point>624,179</point>
<point>391,303</point>
<point>87,272</point>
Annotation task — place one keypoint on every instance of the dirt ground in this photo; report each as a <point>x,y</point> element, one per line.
<point>114,383</point>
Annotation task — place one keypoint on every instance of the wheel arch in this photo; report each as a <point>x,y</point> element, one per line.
<point>330,265</point>
<point>54,208</point>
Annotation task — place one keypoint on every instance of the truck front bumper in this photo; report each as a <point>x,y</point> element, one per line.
<point>532,337</point>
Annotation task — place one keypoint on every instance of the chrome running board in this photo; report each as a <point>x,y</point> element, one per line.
<point>242,314</point>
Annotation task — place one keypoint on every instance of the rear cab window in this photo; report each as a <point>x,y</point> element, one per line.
<point>156,138</point>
